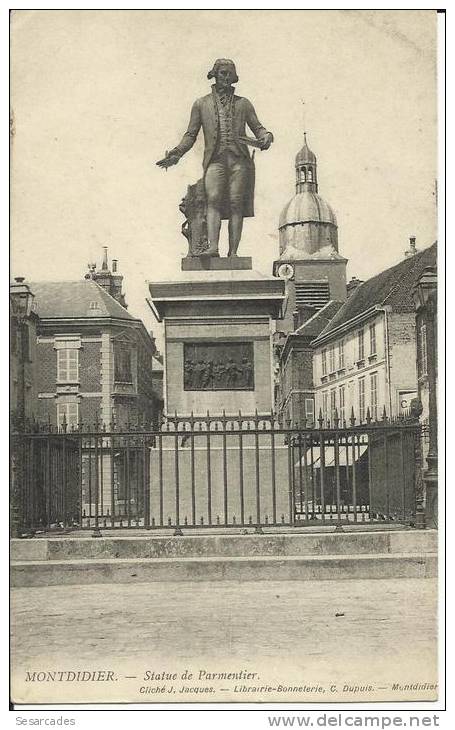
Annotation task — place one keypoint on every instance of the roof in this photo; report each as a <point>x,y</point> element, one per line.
<point>305,207</point>
<point>314,326</point>
<point>391,287</point>
<point>75,299</point>
<point>305,154</point>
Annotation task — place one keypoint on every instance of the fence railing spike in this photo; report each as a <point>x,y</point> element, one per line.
<point>352,418</point>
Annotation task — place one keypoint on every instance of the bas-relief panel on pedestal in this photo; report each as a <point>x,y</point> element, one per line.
<point>218,366</point>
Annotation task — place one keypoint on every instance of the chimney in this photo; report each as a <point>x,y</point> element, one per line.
<point>303,314</point>
<point>352,285</point>
<point>110,281</point>
<point>104,266</point>
<point>412,250</point>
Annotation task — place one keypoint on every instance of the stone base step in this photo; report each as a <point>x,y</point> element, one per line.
<point>226,546</point>
<point>257,568</point>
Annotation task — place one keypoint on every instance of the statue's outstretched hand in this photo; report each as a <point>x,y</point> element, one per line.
<point>171,159</point>
<point>266,141</point>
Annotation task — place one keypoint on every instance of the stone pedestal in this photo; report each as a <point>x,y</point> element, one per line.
<point>218,338</point>
<point>210,263</point>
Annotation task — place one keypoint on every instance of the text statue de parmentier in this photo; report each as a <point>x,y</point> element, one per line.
<point>226,190</point>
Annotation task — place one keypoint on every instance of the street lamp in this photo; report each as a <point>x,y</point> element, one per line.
<point>425,299</point>
<point>21,308</point>
<point>21,302</point>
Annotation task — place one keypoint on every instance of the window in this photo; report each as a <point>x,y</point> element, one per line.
<point>332,359</point>
<point>341,355</point>
<point>342,403</point>
<point>374,395</point>
<point>122,358</point>
<point>361,341</point>
<point>309,411</point>
<point>325,399</point>
<point>423,350</point>
<point>68,412</point>
<point>333,404</point>
<point>361,400</point>
<point>310,174</point>
<point>324,362</point>
<point>68,365</point>
<point>302,175</point>
<point>372,339</point>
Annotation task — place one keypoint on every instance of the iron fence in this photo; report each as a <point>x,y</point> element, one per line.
<point>216,471</point>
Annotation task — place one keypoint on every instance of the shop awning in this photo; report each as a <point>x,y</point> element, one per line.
<point>329,454</point>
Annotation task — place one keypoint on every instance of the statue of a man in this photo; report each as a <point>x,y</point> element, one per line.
<point>228,167</point>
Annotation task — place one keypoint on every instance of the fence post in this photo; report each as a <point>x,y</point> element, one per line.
<point>16,481</point>
<point>291,485</point>
<point>420,523</point>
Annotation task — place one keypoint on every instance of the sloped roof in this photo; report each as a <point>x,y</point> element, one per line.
<point>64,299</point>
<point>313,326</point>
<point>392,287</point>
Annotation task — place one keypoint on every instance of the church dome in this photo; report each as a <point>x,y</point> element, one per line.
<point>307,224</point>
<point>305,207</point>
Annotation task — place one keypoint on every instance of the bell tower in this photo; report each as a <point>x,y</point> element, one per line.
<point>306,176</point>
<point>309,260</point>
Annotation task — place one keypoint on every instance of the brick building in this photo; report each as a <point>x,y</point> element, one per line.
<point>95,360</point>
<point>365,357</point>
<point>295,394</point>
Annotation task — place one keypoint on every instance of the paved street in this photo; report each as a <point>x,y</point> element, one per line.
<point>384,632</point>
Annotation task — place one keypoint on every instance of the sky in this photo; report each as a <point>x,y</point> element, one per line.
<point>99,96</point>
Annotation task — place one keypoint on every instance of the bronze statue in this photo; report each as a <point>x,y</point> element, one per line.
<point>228,167</point>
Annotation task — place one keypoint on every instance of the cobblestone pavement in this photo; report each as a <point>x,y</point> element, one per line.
<point>332,631</point>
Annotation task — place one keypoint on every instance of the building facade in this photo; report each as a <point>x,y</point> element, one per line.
<point>364,359</point>
<point>295,393</point>
<point>95,360</point>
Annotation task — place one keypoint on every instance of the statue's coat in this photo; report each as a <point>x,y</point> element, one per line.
<point>205,114</point>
